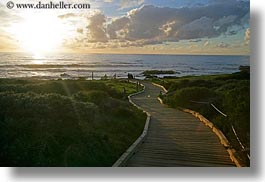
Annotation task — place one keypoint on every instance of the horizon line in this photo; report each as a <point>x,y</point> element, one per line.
<point>177,54</point>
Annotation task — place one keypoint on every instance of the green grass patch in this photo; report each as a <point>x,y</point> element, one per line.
<point>66,122</point>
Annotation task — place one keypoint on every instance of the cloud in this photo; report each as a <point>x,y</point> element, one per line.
<point>247,36</point>
<point>150,25</point>
<point>118,28</point>
<point>124,4</point>
<point>6,41</point>
<point>3,13</point>
<point>225,20</point>
<point>174,24</point>
<point>97,28</point>
<point>206,43</point>
<point>199,28</point>
<point>67,15</point>
<point>7,17</point>
<point>223,45</point>
<point>80,30</point>
<point>196,40</point>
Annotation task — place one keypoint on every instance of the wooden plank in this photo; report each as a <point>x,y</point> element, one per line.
<point>176,163</point>
<point>175,138</point>
<point>182,160</point>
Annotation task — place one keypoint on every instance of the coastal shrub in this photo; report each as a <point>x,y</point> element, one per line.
<point>184,97</point>
<point>64,123</point>
<point>237,107</point>
<point>184,83</point>
<point>97,97</point>
<point>235,76</point>
<point>30,119</point>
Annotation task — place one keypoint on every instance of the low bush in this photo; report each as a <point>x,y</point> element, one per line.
<point>65,123</point>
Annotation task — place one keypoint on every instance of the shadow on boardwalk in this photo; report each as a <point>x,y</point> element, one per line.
<point>175,138</point>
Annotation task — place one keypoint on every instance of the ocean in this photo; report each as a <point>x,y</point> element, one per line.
<point>71,66</point>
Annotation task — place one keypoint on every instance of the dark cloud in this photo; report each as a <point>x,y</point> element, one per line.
<point>232,32</point>
<point>155,25</point>
<point>199,28</point>
<point>97,28</point>
<point>118,27</point>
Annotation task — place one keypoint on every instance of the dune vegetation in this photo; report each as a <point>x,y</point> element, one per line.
<point>229,93</point>
<point>66,122</point>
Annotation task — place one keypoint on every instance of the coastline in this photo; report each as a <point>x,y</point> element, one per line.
<point>75,66</point>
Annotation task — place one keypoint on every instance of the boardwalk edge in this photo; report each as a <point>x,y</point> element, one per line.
<point>218,133</point>
<point>164,89</point>
<point>132,149</point>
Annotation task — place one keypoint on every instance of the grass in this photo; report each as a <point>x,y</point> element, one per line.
<point>120,85</point>
<point>66,122</point>
<point>230,93</point>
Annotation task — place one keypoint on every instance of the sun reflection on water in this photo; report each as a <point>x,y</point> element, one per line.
<point>38,58</point>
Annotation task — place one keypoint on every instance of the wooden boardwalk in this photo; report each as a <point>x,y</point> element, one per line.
<point>175,138</point>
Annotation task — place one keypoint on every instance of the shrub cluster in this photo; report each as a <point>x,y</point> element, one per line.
<point>64,123</point>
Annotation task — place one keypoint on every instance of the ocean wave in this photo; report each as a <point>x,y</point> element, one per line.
<point>14,65</point>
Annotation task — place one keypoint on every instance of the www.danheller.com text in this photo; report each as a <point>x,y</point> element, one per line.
<point>47,5</point>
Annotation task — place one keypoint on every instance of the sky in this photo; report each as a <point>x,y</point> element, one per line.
<point>218,27</point>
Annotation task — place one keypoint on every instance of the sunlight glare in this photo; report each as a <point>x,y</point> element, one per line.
<point>39,33</point>
<point>38,58</point>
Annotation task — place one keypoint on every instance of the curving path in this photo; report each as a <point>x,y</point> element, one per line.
<point>175,138</point>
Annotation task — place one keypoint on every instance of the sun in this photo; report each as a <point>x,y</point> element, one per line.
<point>39,33</point>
